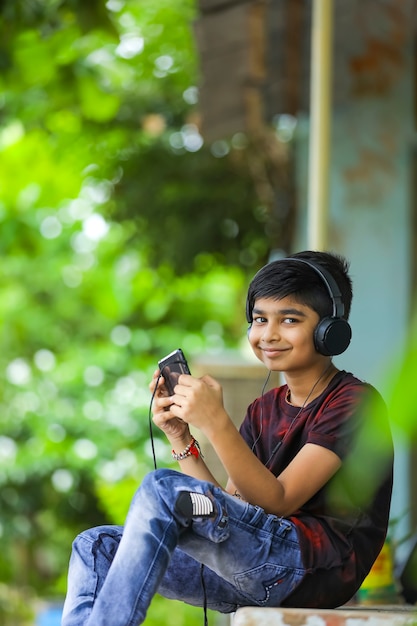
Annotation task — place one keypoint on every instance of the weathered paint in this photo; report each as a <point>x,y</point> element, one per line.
<point>371,204</point>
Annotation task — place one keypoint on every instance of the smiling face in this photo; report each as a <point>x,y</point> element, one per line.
<point>282,334</point>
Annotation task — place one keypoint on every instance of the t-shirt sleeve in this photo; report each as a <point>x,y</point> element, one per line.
<point>247,427</point>
<point>345,414</point>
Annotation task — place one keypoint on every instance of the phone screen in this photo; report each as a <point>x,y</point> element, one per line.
<point>171,367</point>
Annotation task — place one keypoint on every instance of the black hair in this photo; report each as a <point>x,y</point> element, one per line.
<point>285,277</point>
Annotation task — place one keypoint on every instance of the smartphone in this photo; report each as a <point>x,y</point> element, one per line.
<point>171,367</point>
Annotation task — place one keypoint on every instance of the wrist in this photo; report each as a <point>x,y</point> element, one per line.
<point>180,441</point>
<point>191,449</point>
<point>213,429</point>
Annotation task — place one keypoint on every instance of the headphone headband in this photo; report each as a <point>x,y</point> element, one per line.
<point>331,284</point>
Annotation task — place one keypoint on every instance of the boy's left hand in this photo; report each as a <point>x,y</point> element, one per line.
<point>199,401</point>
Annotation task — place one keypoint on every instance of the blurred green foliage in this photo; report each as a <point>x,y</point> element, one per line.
<point>401,389</point>
<point>122,236</point>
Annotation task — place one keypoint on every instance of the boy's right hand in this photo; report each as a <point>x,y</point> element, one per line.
<point>175,429</point>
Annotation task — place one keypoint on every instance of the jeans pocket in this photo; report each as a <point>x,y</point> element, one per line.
<point>267,583</point>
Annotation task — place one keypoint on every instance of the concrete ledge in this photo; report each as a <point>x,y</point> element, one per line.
<point>350,616</point>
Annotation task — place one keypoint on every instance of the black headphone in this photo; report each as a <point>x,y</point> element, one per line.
<point>333,333</point>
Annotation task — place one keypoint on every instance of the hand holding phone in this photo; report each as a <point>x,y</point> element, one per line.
<point>171,368</point>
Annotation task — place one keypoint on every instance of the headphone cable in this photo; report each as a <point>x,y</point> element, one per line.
<point>261,417</point>
<point>150,422</point>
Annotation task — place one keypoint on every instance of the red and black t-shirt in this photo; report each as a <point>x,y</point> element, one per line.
<point>343,526</point>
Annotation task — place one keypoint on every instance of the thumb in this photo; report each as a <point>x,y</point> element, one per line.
<point>210,381</point>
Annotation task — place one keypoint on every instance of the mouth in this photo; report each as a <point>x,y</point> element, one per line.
<point>274,352</point>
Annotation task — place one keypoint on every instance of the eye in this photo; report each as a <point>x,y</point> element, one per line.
<point>290,320</point>
<point>258,319</point>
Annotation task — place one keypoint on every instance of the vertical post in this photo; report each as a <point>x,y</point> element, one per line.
<point>320,123</point>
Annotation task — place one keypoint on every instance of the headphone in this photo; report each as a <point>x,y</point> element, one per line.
<point>333,333</point>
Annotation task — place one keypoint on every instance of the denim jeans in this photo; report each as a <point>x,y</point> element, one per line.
<point>249,557</point>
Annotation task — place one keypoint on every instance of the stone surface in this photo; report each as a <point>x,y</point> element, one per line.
<point>352,616</point>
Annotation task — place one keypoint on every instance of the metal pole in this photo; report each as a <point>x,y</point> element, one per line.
<point>320,123</point>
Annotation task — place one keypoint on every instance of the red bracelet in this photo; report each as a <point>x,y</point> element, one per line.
<point>193,449</point>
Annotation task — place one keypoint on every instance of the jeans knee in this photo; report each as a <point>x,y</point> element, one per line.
<point>88,535</point>
<point>153,488</point>
<point>154,481</point>
<point>98,532</point>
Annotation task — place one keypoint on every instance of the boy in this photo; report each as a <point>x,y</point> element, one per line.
<point>289,528</point>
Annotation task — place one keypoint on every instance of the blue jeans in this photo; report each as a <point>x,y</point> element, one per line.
<point>250,558</point>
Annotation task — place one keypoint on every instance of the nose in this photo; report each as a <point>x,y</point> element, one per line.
<point>270,333</point>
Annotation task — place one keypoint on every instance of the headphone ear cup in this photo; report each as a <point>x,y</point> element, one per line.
<point>332,336</point>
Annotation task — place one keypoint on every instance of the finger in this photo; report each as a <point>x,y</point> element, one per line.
<point>162,417</point>
<point>161,402</point>
<point>210,381</point>
<point>155,380</point>
<point>187,380</point>
<point>158,387</point>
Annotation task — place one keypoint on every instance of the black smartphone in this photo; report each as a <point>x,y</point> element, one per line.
<point>171,367</point>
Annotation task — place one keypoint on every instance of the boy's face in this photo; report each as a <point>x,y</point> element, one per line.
<point>282,332</point>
